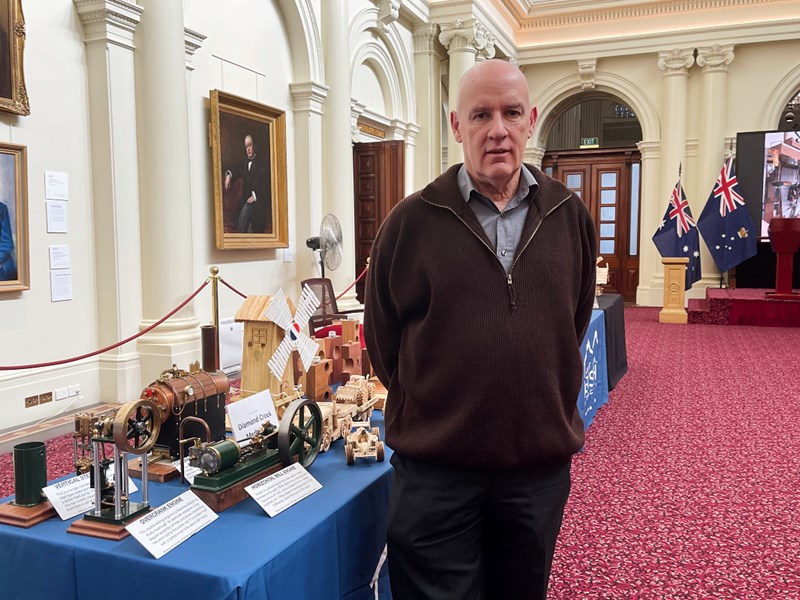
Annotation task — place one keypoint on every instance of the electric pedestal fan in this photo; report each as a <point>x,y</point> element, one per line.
<point>328,243</point>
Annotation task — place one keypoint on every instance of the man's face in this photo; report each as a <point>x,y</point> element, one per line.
<point>248,147</point>
<point>493,123</point>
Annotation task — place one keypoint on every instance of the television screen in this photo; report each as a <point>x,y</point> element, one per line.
<point>768,171</point>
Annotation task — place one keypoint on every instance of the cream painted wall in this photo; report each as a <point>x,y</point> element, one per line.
<point>33,328</point>
<point>367,88</point>
<point>246,53</point>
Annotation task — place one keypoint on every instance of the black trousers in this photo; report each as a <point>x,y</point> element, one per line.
<point>462,534</point>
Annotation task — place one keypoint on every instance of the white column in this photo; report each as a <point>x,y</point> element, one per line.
<point>166,208</point>
<point>108,35</point>
<point>412,130</point>
<point>714,61</point>
<point>337,165</point>
<point>675,65</point>
<point>652,205</point>
<point>428,92</point>
<point>535,156</point>
<point>462,40</point>
<point>307,99</point>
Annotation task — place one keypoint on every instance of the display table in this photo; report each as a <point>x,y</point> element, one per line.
<point>613,308</point>
<point>594,391</point>
<point>325,546</point>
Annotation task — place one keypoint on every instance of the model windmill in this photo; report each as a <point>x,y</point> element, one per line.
<point>271,333</point>
<point>294,339</point>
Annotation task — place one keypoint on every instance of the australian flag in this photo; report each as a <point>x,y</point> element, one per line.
<point>677,236</point>
<point>725,223</point>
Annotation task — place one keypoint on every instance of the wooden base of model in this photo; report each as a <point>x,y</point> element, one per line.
<point>159,471</point>
<point>26,516</point>
<point>674,310</point>
<point>105,531</point>
<point>222,500</point>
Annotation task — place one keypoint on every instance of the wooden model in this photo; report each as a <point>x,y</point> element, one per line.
<point>602,277</point>
<point>260,340</point>
<point>363,441</point>
<point>359,391</point>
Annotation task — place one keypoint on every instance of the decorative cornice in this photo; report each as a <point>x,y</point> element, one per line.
<point>586,71</point>
<point>112,21</point>
<point>545,14</point>
<point>192,41</point>
<point>715,58</point>
<point>356,110</point>
<point>308,96</point>
<point>676,62</point>
<point>649,149</point>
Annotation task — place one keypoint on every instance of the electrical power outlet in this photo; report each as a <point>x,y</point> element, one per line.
<point>46,397</point>
<point>74,390</point>
<point>31,401</point>
<point>61,393</point>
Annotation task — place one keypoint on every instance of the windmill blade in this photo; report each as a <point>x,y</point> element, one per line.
<point>307,348</point>
<point>278,311</point>
<point>309,303</point>
<point>277,364</point>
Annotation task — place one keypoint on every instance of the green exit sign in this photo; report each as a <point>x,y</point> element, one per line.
<point>591,142</point>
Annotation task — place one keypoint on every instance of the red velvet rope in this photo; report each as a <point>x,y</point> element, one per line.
<point>111,347</point>
<point>352,284</point>
<point>147,329</point>
<point>231,288</point>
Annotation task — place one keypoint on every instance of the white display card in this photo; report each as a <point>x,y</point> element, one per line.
<point>60,285</point>
<point>171,524</point>
<point>248,414</point>
<point>59,257</point>
<point>277,492</point>
<point>188,471</point>
<point>57,216</point>
<point>73,496</point>
<point>56,185</point>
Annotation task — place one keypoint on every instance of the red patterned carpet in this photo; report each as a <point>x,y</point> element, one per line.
<point>689,484</point>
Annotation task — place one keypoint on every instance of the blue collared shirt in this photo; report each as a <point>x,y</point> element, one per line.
<point>503,229</point>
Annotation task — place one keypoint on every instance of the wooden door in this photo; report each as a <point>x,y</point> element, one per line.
<point>608,181</point>
<point>378,172</point>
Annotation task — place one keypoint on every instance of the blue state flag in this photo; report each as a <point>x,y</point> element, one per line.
<point>677,236</point>
<point>725,223</point>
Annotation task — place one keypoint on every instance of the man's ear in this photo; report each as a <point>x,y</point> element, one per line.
<point>534,118</point>
<point>454,125</point>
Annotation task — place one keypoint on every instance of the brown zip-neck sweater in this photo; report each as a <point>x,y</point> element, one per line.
<point>483,369</point>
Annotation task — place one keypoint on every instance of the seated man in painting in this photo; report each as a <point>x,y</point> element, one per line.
<point>8,266</point>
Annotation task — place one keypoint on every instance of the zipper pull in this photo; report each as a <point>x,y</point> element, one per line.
<point>512,294</point>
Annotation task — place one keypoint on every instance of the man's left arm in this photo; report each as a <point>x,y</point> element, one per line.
<point>588,257</point>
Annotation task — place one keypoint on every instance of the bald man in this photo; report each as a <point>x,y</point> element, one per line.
<point>479,292</point>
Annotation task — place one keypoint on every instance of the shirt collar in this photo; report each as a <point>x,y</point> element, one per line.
<point>526,182</point>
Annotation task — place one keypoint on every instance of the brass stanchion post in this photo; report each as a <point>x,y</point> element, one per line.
<point>215,308</point>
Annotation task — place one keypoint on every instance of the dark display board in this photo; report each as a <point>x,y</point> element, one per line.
<point>768,171</point>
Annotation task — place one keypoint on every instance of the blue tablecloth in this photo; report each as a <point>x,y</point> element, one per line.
<point>594,391</point>
<point>326,546</point>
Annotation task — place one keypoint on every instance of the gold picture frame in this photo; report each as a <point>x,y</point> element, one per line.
<point>14,273</point>
<point>248,143</point>
<point>13,95</point>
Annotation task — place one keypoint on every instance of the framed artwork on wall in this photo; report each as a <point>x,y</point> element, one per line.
<point>248,143</point>
<point>14,275</point>
<point>13,96</point>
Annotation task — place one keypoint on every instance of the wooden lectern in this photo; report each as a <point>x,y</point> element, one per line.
<point>784,237</point>
<point>674,291</point>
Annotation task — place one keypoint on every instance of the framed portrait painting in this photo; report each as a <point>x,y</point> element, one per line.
<point>14,275</point>
<point>13,96</point>
<point>248,142</point>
